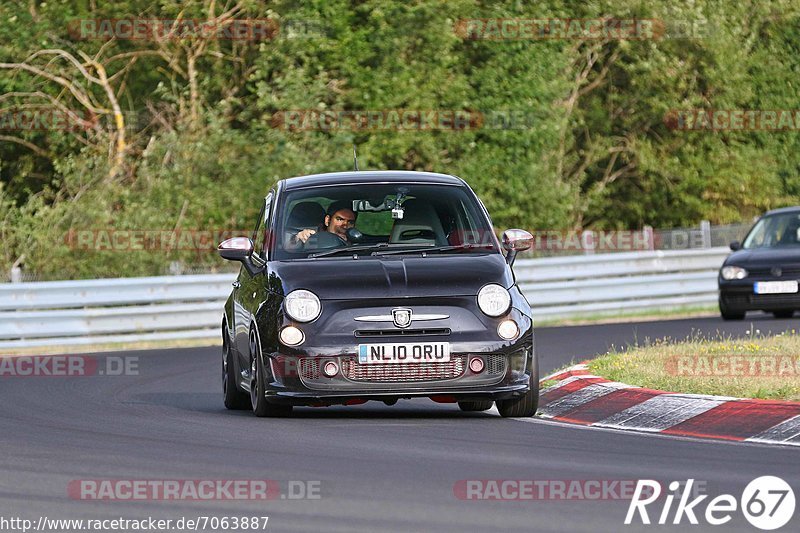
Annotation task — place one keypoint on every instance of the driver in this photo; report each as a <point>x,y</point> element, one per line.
<point>339,218</point>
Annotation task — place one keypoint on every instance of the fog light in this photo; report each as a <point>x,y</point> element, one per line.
<point>476,365</point>
<point>330,369</point>
<point>292,336</point>
<point>508,329</point>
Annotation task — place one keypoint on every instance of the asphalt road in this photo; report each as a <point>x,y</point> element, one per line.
<point>378,468</point>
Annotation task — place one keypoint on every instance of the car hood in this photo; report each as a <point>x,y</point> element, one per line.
<point>392,276</point>
<point>764,256</point>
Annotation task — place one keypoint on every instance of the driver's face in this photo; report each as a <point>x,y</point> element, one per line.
<point>340,222</point>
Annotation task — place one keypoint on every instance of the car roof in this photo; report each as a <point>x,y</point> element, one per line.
<point>370,176</point>
<point>792,209</point>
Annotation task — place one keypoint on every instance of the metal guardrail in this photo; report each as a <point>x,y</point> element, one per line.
<point>53,313</point>
<point>180,307</point>
<point>559,287</point>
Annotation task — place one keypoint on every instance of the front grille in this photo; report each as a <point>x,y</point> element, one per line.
<point>404,372</point>
<point>762,299</point>
<point>787,271</point>
<point>401,332</point>
<point>310,369</point>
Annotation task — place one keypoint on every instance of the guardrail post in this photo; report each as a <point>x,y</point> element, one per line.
<point>16,274</point>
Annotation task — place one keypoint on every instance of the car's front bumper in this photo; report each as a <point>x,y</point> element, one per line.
<point>301,380</point>
<point>738,295</point>
<point>334,398</point>
<point>507,370</point>
<point>294,375</point>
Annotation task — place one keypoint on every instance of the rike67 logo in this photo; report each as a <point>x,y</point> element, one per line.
<point>767,503</point>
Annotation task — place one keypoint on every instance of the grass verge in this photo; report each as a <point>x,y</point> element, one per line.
<point>112,347</point>
<point>754,367</point>
<point>547,383</point>
<point>632,316</point>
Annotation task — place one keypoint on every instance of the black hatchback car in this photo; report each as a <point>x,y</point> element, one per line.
<point>383,285</point>
<point>762,273</point>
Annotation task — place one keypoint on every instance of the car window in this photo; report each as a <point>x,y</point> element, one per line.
<point>774,231</point>
<point>262,228</point>
<point>387,215</point>
<point>374,223</point>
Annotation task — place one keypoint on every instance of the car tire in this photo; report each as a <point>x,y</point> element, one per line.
<point>783,313</point>
<point>234,398</point>
<point>525,406</point>
<point>258,400</point>
<point>730,314</point>
<point>475,405</point>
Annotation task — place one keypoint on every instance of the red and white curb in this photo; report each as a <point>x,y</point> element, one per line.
<point>582,398</point>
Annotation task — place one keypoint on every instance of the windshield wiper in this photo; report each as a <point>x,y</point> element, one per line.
<point>435,249</point>
<point>348,249</point>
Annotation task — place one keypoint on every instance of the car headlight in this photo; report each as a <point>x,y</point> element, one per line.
<point>302,305</point>
<point>733,272</point>
<point>494,299</point>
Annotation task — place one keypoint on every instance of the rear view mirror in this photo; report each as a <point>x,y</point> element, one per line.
<point>366,205</point>
<point>374,205</point>
<point>735,245</point>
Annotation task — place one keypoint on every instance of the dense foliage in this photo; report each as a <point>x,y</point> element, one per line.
<point>188,133</point>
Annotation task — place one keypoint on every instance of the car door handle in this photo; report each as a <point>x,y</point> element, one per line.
<point>236,284</point>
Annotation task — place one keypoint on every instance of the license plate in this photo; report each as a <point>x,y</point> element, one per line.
<point>388,353</point>
<point>775,287</point>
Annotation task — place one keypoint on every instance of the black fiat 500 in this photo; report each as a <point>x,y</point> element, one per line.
<point>762,273</point>
<point>359,286</point>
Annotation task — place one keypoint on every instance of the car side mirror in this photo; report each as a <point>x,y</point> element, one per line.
<point>736,245</point>
<point>515,241</point>
<point>239,249</point>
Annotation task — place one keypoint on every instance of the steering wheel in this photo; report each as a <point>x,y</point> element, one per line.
<point>322,240</point>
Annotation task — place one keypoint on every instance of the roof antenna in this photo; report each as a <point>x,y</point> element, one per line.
<point>355,158</point>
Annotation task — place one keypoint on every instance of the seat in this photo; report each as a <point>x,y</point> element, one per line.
<point>790,234</point>
<point>305,215</point>
<point>420,225</point>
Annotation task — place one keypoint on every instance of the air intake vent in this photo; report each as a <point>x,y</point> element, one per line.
<point>355,371</point>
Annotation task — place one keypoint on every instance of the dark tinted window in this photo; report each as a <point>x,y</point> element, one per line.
<point>774,231</point>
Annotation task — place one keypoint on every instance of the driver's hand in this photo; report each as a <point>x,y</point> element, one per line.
<point>305,234</point>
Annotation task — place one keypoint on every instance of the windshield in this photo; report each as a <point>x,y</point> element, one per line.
<point>774,231</point>
<point>369,220</point>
